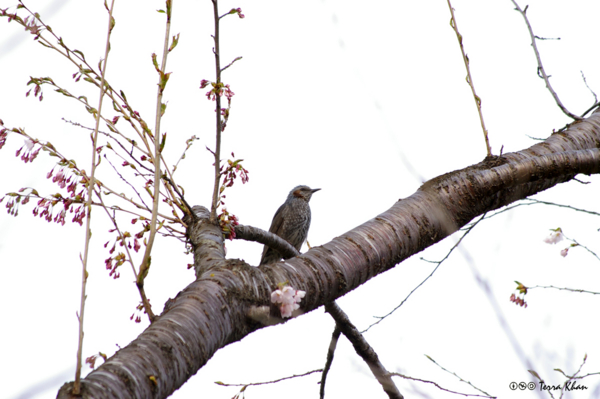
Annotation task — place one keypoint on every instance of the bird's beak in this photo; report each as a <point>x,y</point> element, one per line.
<point>314,190</point>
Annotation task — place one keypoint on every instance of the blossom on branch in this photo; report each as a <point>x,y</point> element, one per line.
<point>218,89</point>
<point>554,237</point>
<point>228,221</point>
<point>288,299</point>
<point>28,154</point>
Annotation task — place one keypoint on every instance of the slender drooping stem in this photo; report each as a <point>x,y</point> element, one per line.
<point>88,205</point>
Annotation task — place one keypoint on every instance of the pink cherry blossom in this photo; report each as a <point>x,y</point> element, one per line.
<point>564,252</point>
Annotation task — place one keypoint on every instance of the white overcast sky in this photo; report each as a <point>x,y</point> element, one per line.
<point>365,100</point>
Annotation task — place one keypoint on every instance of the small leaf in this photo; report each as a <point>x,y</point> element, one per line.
<point>174,43</point>
<point>80,54</point>
<point>155,62</point>
<point>535,375</point>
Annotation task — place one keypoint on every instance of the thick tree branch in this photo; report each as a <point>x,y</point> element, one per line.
<point>248,233</point>
<point>212,312</point>
<point>363,349</point>
<point>255,234</point>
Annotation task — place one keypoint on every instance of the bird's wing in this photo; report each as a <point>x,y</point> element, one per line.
<point>277,221</point>
<point>276,226</point>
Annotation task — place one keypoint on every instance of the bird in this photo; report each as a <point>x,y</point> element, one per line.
<point>291,222</point>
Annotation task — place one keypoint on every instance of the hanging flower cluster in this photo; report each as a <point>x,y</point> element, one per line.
<point>522,290</point>
<point>228,221</point>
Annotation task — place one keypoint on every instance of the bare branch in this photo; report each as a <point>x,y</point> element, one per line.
<point>440,387</point>
<point>162,82</point>
<point>250,233</point>
<point>591,91</point>
<point>269,382</point>
<point>88,206</point>
<point>231,63</point>
<point>541,67</point>
<point>564,289</point>
<point>363,349</point>
<point>381,318</point>
<point>456,375</point>
<point>330,352</point>
<point>217,153</point>
<point>477,99</point>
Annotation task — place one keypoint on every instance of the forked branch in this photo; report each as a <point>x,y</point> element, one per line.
<point>541,69</point>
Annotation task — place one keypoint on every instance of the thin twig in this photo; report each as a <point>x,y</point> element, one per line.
<point>381,318</point>
<point>541,67</point>
<point>231,63</point>
<point>564,289</point>
<point>576,244</point>
<point>591,91</point>
<point>130,185</point>
<point>535,202</point>
<point>188,206</point>
<point>457,376</point>
<point>217,153</point>
<point>440,387</point>
<point>188,143</point>
<point>477,99</point>
<point>88,206</point>
<point>590,109</point>
<point>130,153</point>
<point>120,234</point>
<point>76,57</point>
<point>596,103</point>
<point>269,382</point>
<point>574,376</point>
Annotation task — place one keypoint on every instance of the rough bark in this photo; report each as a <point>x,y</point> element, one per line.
<point>214,310</point>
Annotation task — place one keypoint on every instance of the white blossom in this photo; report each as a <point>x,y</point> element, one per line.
<point>288,299</point>
<point>554,237</point>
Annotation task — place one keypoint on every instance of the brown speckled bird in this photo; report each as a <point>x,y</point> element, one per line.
<point>291,222</point>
